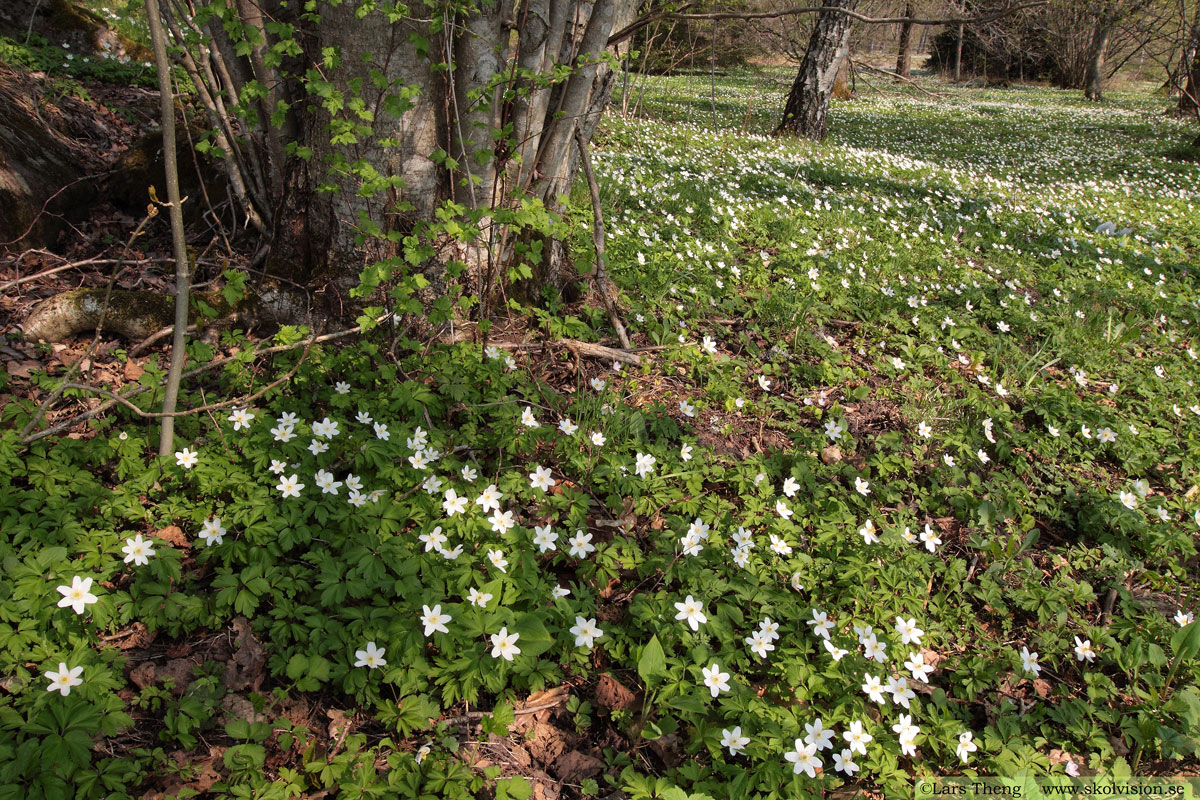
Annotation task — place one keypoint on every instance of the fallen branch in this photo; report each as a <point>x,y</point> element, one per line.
<point>161,333</point>
<point>475,716</point>
<point>237,401</point>
<point>4,287</point>
<point>108,290</point>
<point>96,262</point>
<point>899,77</point>
<point>582,348</point>
<point>602,285</point>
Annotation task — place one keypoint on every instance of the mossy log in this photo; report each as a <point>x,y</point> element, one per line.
<point>137,315</point>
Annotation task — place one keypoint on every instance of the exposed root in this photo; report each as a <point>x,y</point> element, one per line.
<point>132,315</point>
<point>139,315</point>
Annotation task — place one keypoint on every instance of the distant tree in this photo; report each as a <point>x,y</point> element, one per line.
<point>1106,16</point>
<point>806,112</point>
<point>904,48</point>
<point>1189,63</point>
<point>1069,42</point>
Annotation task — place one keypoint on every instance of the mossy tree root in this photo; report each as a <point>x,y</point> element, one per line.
<point>137,315</point>
<point>132,315</point>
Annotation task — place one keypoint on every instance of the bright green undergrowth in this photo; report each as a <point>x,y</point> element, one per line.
<point>986,304</point>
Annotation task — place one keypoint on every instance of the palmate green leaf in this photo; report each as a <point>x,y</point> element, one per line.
<point>692,703</point>
<point>498,722</point>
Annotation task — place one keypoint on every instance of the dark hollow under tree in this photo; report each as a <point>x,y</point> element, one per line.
<point>807,110</point>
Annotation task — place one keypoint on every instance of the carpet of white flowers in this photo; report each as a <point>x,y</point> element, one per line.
<point>904,484</point>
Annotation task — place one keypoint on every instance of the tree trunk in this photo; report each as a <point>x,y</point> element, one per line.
<point>958,53</point>
<point>41,168</point>
<point>361,183</point>
<point>1189,95</point>
<point>410,160</point>
<point>904,56</point>
<point>807,110</point>
<point>62,22</point>
<point>1093,76</point>
<point>466,115</point>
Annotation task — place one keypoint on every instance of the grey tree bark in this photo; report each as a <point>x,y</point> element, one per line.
<point>904,54</point>
<point>400,115</point>
<point>806,112</point>
<point>1189,94</point>
<point>958,53</point>
<point>1093,76</point>
<point>158,37</point>
<point>357,128</point>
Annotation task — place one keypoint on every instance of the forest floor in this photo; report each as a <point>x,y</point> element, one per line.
<point>907,454</point>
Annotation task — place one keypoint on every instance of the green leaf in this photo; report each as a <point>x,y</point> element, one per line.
<point>1186,704</point>
<point>653,661</point>
<point>498,723</point>
<point>535,639</point>
<point>1186,641</point>
<point>238,729</point>
<point>297,666</point>
<point>513,788</point>
<point>986,513</point>
<point>687,702</point>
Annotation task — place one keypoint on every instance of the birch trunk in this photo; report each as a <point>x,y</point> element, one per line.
<point>807,110</point>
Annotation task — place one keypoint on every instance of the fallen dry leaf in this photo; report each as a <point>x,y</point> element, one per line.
<point>22,369</point>
<point>144,674</point>
<point>245,669</point>
<point>172,535</point>
<point>574,766</point>
<point>180,671</point>
<point>339,723</point>
<point>545,743</point>
<point>610,693</point>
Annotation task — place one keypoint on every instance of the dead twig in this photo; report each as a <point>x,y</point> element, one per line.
<point>638,24</point>
<point>579,348</point>
<point>899,77</point>
<point>602,285</point>
<point>162,333</point>
<point>475,716</point>
<point>200,409</point>
<point>151,212</point>
<point>97,262</point>
<point>220,362</point>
